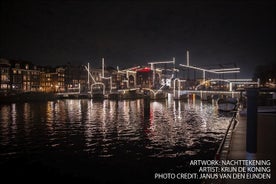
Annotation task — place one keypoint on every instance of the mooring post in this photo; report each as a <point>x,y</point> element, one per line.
<point>251,130</point>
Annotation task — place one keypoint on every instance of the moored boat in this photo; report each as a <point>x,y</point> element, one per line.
<point>227,104</point>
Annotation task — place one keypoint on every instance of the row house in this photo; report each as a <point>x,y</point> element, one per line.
<point>22,76</point>
<point>18,76</point>
<point>25,77</point>
<point>52,79</point>
<point>60,79</point>
<point>4,75</point>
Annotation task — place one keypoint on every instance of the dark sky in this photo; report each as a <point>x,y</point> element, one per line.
<point>128,33</point>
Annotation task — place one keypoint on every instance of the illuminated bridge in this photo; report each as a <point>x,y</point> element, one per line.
<point>162,80</point>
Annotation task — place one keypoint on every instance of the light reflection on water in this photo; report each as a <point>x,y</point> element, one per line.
<point>111,128</point>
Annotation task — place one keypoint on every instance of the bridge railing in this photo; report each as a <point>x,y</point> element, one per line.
<point>227,136</point>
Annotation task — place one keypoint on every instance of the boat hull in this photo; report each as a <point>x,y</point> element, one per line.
<point>227,105</point>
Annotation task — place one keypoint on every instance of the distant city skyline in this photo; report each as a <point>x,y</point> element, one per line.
<point>129,33</point>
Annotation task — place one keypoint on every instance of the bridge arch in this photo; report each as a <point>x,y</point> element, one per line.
<point>98,83</point>
<point>131,81</point>
<point>212,80</point>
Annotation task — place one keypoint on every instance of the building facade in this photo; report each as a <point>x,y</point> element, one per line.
<point>5,82</point>
<point>25,77</point>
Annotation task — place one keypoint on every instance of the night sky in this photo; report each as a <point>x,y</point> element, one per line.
<point>129,33</point>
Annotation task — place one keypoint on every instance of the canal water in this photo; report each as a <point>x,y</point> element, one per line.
<point>106,141</point>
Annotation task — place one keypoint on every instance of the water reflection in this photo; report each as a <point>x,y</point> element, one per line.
<point>111,128</point>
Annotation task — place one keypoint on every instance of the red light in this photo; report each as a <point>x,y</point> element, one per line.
<point>146,69</point>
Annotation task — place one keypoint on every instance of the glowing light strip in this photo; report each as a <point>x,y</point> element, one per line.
<point>106,77</point>
<point>200,91</point>
<point>245,82</point>
<point>228,72</point>
<point>197,68</point>
<point>160,62</point>
<point>90,73</point>
<point>240,80</point>
<point>224,69</point>
<point>217,71</point>
<point>128,69</point>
